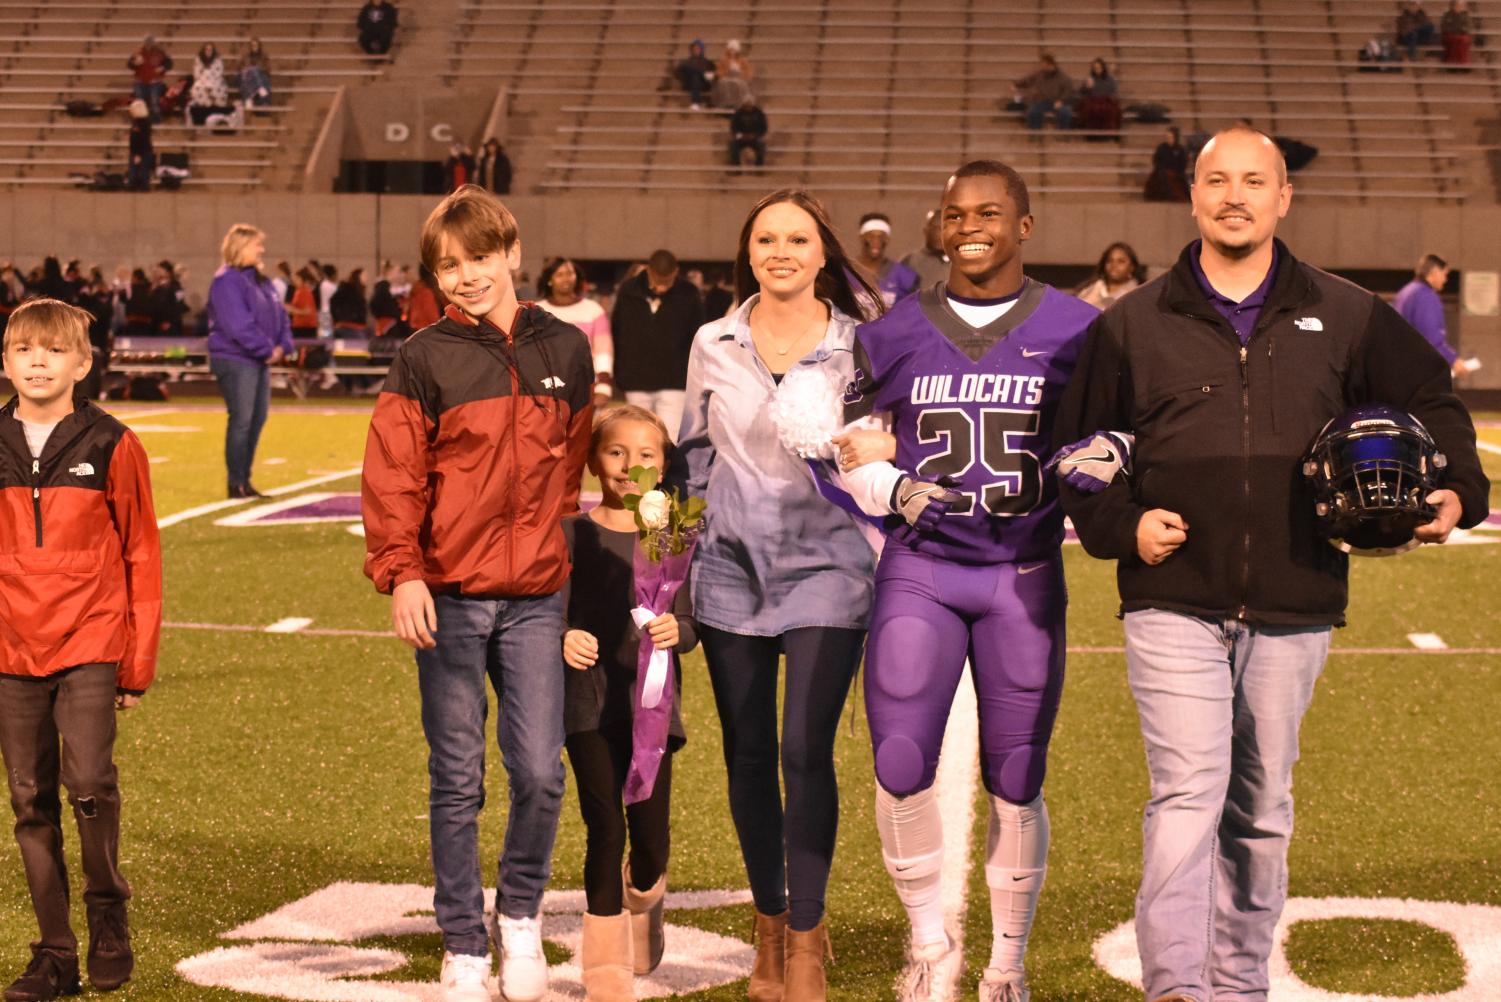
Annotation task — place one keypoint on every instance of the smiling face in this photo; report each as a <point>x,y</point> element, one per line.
<point>786,252</point>
<point>478,282</point>
<point>624,444</point>
<point>564,282</point>
<point>983,231</point>
<point>43,374</point>
<point>1240,191</point>
<point>874,243</point>
<point>1117,266</point>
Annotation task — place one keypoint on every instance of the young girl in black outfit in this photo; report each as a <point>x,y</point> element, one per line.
<point>623,924</point>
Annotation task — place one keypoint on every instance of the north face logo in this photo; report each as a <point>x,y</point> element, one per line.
<point>1308,324</point>
<point>553,383</point>
<point>82,470</point>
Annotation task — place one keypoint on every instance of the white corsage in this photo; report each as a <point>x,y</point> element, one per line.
<point>808,410</point>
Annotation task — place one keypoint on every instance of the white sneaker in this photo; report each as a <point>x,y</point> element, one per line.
<point>1004,986</point>
<point>932,972</point>
<point>523,968</point>
<point>465,978</point>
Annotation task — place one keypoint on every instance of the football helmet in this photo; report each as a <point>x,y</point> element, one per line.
<point>1371,470</point>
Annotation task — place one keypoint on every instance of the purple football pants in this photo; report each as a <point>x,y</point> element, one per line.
<point>930,615</point>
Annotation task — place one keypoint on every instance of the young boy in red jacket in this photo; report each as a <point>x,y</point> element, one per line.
<point>475,452</point>
<point>80,616</point>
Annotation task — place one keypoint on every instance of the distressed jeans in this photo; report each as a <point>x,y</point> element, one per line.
<point>516,644</point>
<point>1220,705</point>
<point>62,729</point>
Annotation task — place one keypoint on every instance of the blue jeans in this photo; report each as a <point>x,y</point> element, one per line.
<point>516,642</point>
<point>246,387</point>
<point>151,93</point>
<point>1038,110</point>
<point>1220,704</point>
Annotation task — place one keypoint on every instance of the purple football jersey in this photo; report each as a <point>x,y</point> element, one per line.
<point>975,405</point>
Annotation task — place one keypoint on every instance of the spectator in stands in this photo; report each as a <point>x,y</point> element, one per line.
<point>748,132</point>
<point>255,76</point>
<point>563,291</point>
<point>248,331</point>
<point>209,93</point>
<point>732,77</point>
<point>166,301</point>
<point>719,297</point>
<point>142,154</point>
<point>695,74</point>
<point>52,284</point>
<point>1420,305</point>
<point>150,65</point>
<point>892,279</point>
<point>458,169</point>
<point>929,261</point>
<point>1168,181</point>
<point>304,306</point>
<point>1118,273</point>
<point>10,293</point>
<point>656,315</point>
<point>493,172</point>
<point>425,304</point>
<point>96,300</point>
<point>377,26</point>
<point>1413,27</point>
<point>1378,56</point>
<point>1047,90</point>
<point>138,304</point>
<point>1456,27</point>
<point>385,309</point>
<point>282,280</point>
<point>1099,100</point>
<point>348,309</point>
<point>327,286</point>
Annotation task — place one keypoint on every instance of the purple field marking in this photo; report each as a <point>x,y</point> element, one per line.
<point>335,507</point>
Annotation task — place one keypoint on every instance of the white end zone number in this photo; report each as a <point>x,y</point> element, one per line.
<point>1476,930</point>
<point>306,950</point>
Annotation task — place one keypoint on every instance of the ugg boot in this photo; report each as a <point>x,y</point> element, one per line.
<point>805,952</point>
<point>646,909</point>
<point>607,958</point>
<point>769,970</point>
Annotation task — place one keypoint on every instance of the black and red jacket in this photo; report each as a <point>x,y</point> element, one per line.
<point>475,453</point>
<point>80,555</point>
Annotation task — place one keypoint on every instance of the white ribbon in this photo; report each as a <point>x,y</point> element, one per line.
<point>656,668</point>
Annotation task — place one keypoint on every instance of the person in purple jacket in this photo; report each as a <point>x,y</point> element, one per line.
<point>1419,303</point>
<point>248,331</point>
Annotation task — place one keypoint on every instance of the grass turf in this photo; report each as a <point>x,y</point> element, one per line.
<point>261,768</point>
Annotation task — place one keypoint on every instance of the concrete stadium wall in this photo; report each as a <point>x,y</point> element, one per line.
<point>359,230</point>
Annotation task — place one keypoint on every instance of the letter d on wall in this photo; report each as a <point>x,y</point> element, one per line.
<point>398,132</point>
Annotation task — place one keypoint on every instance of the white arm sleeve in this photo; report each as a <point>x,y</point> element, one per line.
<point>871,486</point>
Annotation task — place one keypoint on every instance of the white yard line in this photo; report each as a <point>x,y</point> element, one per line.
<point>213,506</point>
<point>291,624</point>
<point>129,416</point>
<point>1485,446</point>
<point>958,770</point>
<point>305,632</point>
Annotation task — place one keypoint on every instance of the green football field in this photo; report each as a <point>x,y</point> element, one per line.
<point>267,767</point>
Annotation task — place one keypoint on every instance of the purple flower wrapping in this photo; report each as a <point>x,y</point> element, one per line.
<point>657,585</point>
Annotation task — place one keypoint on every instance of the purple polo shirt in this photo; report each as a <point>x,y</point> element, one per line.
<point>1244,314</point>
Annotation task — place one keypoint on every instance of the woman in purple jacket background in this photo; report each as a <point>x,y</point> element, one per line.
<point>248,331</point>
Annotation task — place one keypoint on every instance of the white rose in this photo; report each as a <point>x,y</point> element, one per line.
<point>654,509</point>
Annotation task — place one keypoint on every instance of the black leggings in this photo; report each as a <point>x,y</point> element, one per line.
<point>821,662</point>
<point>600,764</point>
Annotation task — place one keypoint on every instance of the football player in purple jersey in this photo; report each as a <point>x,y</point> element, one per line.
<point>970,373</point>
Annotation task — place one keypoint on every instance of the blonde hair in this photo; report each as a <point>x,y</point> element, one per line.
<point>50,323</point>
<point>236,241</point>
<point>607,417</point>
<point>476,219</point>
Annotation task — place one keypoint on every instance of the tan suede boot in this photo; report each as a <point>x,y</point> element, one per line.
<point>607,958</point>
<point>805,952</point>
<point>771,959</point>
<point>646,909</point>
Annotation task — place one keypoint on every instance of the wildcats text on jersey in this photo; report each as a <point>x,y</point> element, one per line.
<point>978,388</point>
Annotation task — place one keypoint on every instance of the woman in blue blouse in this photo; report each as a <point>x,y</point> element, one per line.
<point>779,571</point>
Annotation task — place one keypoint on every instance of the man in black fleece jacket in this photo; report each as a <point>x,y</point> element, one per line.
<point>656,315</point>
<point>1225,369</point>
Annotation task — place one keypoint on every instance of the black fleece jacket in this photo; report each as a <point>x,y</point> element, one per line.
<point>1221,431</point>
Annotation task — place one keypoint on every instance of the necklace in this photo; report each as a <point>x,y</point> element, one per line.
<point>781,350</point>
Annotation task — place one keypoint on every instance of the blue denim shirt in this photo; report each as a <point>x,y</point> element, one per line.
<point>775,556</point>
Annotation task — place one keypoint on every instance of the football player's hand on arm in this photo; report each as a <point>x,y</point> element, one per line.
<point>663,631</point>
<point>1090,465</point>
<point>864,445</point>
<point>413,614</point>
<point>1449,509</point>
<point>580,649</point>
<point>1159,533</point>
<point>922,504</point>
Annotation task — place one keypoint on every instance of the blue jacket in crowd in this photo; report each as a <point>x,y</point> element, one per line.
<point>246,319</point>
<point>1422,307</point>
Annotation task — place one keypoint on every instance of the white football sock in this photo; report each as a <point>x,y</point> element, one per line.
<point>1016,857</point>
<point>912,846</point>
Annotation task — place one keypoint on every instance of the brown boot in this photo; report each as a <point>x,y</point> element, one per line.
<point>607,958</point>
<point>771,958</point>
<point>805,952</point>
<point>646,909</point>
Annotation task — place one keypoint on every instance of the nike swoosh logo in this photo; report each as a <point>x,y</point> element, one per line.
<point>1032,354</point>
<point>1028,570</point>
<point>1108,457</point>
